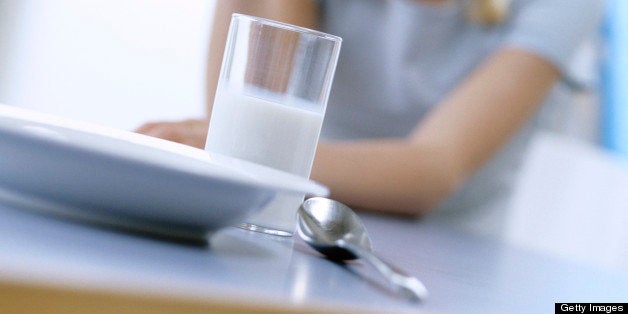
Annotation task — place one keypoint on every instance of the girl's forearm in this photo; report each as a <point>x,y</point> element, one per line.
<point>391,175</point>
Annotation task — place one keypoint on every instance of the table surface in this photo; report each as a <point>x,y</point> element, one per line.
<point>464,273</point>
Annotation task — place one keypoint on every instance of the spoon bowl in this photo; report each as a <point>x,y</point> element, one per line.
<point>334,230</point>
<point>323,222</point>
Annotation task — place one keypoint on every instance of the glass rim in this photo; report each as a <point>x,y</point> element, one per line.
<point>290,27</point>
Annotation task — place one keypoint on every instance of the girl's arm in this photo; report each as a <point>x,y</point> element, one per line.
<point>413,174</point>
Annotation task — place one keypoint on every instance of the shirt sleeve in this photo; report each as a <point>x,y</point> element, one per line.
<point>554,29</point>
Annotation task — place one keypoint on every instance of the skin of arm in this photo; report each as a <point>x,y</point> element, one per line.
<point>411,175</point>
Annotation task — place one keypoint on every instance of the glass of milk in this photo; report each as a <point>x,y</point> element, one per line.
<point>270,102</point>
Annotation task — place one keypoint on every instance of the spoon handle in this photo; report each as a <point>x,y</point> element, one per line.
<point>411,286</point>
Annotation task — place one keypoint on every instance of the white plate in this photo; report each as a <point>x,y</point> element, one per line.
<point>129,180</point>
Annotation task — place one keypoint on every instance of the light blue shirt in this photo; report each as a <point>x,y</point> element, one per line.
<point>400,58</point>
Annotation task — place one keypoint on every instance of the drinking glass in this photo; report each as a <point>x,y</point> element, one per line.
<point>270,102</point>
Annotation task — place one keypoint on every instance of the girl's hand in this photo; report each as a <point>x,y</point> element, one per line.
<point>191,132</point>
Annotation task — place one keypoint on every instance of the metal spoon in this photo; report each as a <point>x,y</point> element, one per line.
<point>333,229</point>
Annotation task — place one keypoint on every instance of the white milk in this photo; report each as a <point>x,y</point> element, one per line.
<point>280,136</point>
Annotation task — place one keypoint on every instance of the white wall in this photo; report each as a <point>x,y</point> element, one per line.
<point>112,62</point>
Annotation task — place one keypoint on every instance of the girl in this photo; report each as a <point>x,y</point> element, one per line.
<point>433,101</point>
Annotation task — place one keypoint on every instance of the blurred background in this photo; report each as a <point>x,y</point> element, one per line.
<point>121,63</point>
<point>116,63</point>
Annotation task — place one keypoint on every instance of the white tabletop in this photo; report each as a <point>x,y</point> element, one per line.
<point>464,274</point>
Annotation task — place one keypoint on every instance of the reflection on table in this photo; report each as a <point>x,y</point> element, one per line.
<point>50,262</point>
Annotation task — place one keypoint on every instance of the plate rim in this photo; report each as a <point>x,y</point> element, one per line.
<point>30,117</point>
